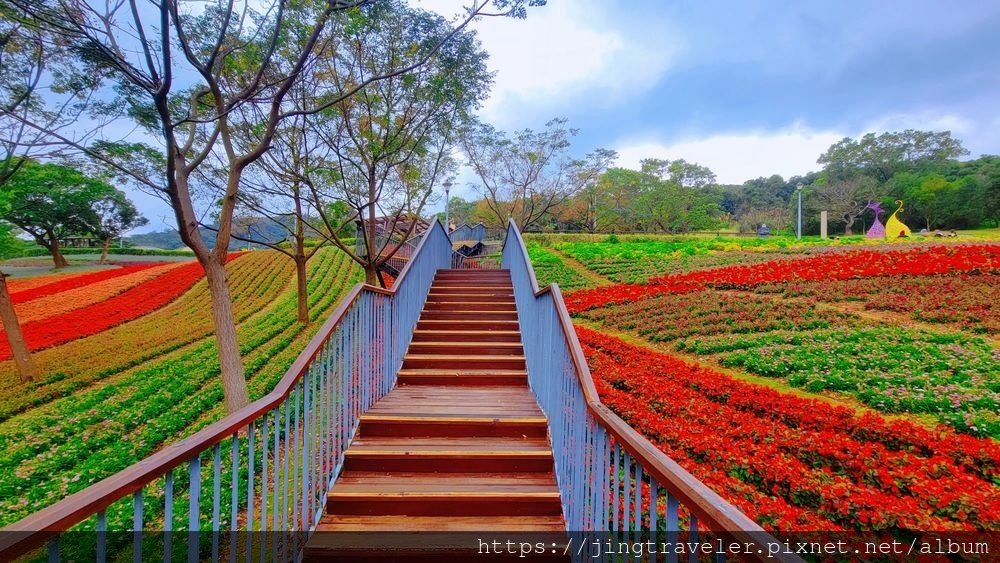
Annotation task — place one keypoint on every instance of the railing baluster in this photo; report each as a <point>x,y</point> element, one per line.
<point>276,488</point>
<point>306,450</point>
<point>626,494</point>
<point>102,536</point>
<point>693,536</point>
<point>137,526</point>
<point>615,488</point>
<point>216,499</point>
<point>168,515</point>
<point>194,508</point>
<point>654,512</point>
<point>285,475</point>
<point>637,502</point>
<point>234,490</point>
<point>296,465</point>
<point>264,494</point>
<point>53,550</point>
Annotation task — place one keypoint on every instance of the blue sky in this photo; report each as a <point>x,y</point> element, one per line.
<point>747,88</point>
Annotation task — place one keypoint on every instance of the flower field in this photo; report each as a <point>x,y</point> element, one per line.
<point>126,405</point>
<point>115,309</point>
<point>781,320</point>
<point>798,464</point>
<point>549,268</point>
<point>967,301</point>
<point>56,302</point>
<point>636,261</point>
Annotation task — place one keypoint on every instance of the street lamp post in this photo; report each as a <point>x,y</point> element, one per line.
<point>798,232</point>
<point>447,205</point>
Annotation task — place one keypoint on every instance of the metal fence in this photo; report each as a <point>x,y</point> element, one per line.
<point>255,482</point>
<point>615,485</point>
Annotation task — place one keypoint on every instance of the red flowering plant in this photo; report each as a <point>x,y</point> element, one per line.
<point>794,463</point>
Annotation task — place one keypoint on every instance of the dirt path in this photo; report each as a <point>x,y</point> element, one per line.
<point>579,268</point>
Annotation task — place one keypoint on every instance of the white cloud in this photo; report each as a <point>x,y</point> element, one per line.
<point>566,51</point>
<point>739,156</point>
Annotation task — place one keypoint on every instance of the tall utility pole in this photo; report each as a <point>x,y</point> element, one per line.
<point>447,206</point>
<point>798,231</point>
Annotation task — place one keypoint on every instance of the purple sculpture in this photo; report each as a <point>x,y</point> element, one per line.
<point>878,229</point>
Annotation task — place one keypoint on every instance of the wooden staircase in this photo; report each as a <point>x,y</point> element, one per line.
<point>458,452</point>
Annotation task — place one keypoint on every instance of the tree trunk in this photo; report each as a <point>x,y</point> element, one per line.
<point>371,275</point>
<point>234,385</point>
<point>57,256</point>
<point>104,251</point>
<point>26,367</point>
<point>300,283</point>
<point>300,259</point>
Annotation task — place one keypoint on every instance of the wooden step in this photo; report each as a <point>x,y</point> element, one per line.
<point>463,377</point>
<point>504,306</point>
<point>397,523</point>
<point>465,297</point>
<point>466,336</point>
<point>449,455</point>
<point>466,285</point>
<point>472,348</point>
<point>471,315</point>
<point>453,426</point>
<point>472,273</point>
<point>469,324</point>
<point>463,276</point>
<point>427,539</point>
<point>422,494</point>
<point>450,400</point>
<point>464,361</point>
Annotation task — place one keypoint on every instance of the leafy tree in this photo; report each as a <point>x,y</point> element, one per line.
<point>51,202</point>
<point>845,199</point>
<point>881,156</point>
<point>117,215</point>
<point>525,176</point>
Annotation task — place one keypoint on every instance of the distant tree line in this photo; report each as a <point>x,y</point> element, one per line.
<point>530,178</point>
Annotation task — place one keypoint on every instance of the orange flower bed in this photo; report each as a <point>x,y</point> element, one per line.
<point>79,297</point>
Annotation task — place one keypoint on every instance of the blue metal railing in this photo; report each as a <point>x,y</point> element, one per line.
<point>264,469</point>
<point>465,233</point>
<point>615,485</point>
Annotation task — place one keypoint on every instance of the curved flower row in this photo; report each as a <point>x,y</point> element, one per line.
<point>95,318</point>
<point>920,261</point>
<point>839,467</point>
<point>59,283</point>
<point>81,296</point>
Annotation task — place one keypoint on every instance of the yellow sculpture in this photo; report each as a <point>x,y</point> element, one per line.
<point>894,228</point>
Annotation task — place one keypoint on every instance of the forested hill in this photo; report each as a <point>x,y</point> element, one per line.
<point>171,239</point>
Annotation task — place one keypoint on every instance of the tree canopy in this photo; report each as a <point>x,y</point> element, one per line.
<point>51,202</point>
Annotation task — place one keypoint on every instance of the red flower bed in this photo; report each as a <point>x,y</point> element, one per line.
<point>831,266</point>
<point>131,304</point>
<point>75,281</point>
<point>792,463</point>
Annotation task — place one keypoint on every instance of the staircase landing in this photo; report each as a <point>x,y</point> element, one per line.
<point>458,453</point>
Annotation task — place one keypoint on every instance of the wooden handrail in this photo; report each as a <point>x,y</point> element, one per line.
<point>705,503</point>
<point>30,532</point>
